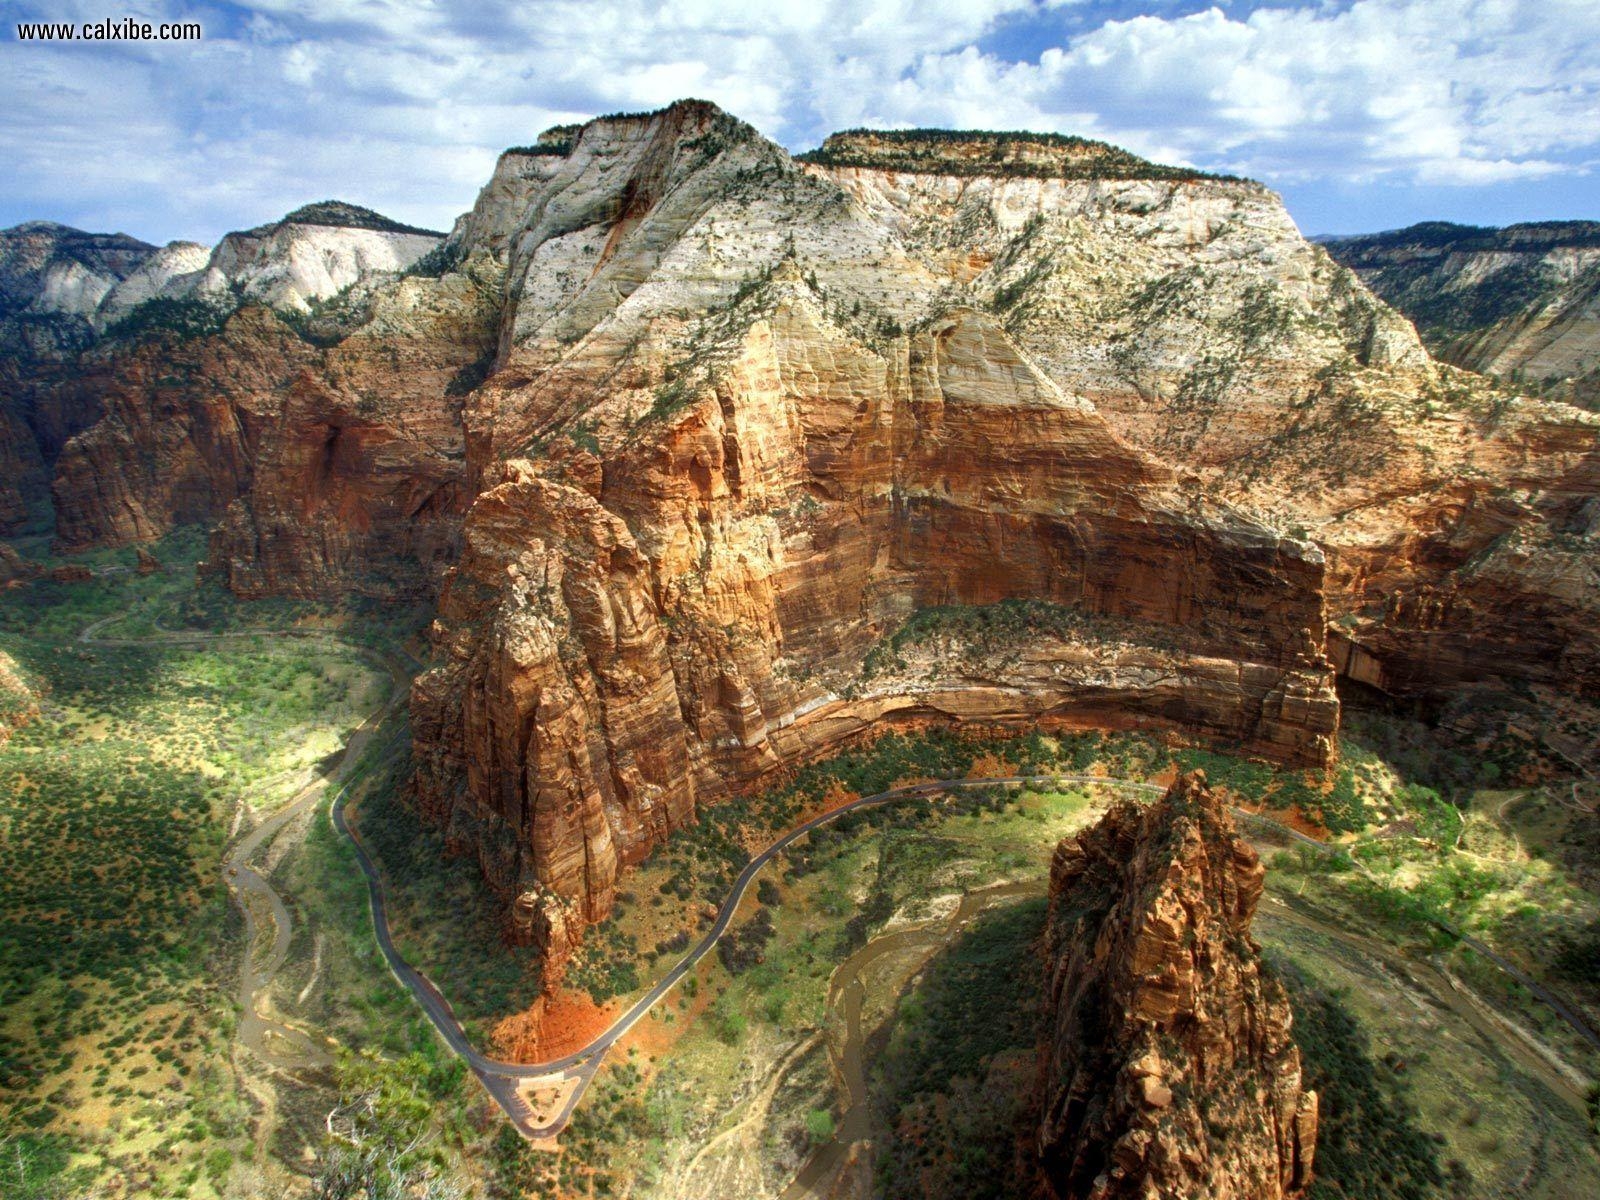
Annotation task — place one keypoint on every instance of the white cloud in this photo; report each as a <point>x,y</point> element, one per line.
<point>403,106</point>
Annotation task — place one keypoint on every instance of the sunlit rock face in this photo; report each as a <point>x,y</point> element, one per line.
<point>1167,1069</point>
<point>740,432</point>
<point>1521,303</point>
<point>676,429</point>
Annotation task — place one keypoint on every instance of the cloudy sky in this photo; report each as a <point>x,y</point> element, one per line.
<point>1365,114</point>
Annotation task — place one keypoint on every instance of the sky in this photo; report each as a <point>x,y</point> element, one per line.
<point>1364,114</point>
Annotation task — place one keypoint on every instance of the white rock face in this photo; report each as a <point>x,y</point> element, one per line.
<point>166,272</point>
<point>51,269</point>
<point>48,269</point>
<point>503,205</point>
<point>1187,308</point>
<point>294,264</point>
<point>70,288</point>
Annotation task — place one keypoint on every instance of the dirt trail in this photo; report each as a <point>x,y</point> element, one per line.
<point>1503,1036</point>
<point>276,1042</point>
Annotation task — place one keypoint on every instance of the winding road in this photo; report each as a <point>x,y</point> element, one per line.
<point>570,1074</point>
<point>574,1072</point>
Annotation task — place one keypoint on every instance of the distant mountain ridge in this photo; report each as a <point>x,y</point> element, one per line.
<point>988,152</point>
<point>1521,303</point>
<point>340,215</point>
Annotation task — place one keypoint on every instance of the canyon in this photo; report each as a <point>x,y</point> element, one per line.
<point>678,431</point>
<point>1520,303</point>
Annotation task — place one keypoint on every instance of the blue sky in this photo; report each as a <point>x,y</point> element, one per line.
<point>1365,114</point>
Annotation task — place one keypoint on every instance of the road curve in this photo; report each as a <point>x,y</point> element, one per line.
<point>501,1079</point>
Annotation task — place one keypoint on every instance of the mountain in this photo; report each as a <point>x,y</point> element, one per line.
<point>72,304</point>
<point>1520,303</point>
<point>1167,1066</point>
<point>687,438</point>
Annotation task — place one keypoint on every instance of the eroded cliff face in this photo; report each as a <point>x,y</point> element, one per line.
<point>680,430</point>
<point>1520,303</point>
<point>333,458</point>
<point>716,470</point>
<point>183,383</point>
<point>1167,1069</point>
<point>1457,523</point>
<point>52,279</point>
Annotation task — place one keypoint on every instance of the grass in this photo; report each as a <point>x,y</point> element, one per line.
<point>445,920</point>
<point>118,944</point>
<point>1369,1140</point>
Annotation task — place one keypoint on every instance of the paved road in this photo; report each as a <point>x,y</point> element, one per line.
<point>502,1079</point>
<point>577,1069</point>
<point>276,1042</point>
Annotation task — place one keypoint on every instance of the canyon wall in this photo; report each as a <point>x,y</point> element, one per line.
<point>1520,303</point>
<point>703,505</point>
<point>680,431</point>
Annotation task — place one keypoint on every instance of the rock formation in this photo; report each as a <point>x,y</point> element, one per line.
<point>679,430</point>
<point>88,324</point>
<point>1520,303</point>
<point>1167,1069</point>
<point>700,507</point>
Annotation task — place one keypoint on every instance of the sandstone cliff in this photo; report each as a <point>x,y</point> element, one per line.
<point>1195,318</point>
<point>1167,1068</point>
<point>681,431</point>
<point>52,281</point>
<point>88,323</point>
<point>738,435</point>
<point>1520,303</point>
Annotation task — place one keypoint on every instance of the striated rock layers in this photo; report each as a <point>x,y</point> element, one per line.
<point>701,505</point>
<point>132,347</point>
<point>1167,1069</point>
<point>1520,303</point>
<point>682,431</point>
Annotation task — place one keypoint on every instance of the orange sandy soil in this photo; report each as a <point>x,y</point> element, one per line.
<point>653,1037</point>
<point>554,1026</point>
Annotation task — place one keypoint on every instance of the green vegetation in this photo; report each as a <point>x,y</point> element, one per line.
<point>1004,629</point>
<point>400,1128</point>
<point>446,921</point>
<point>181,317</point>
<point>341,215</point>
<point>334,962</point>
<point>557,140</point>
<point>1369,1144</point>
<point>951,1080</point>
<point>436,263</point>
<point>987,152</point>
<point>38,1167</point>
<point>118,943</point>
<point>819,1125</point>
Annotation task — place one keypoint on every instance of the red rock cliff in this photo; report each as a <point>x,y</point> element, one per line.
<point>1167,1070</point>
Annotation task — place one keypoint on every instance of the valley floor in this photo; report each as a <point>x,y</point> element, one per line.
<point>865,1029</point>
